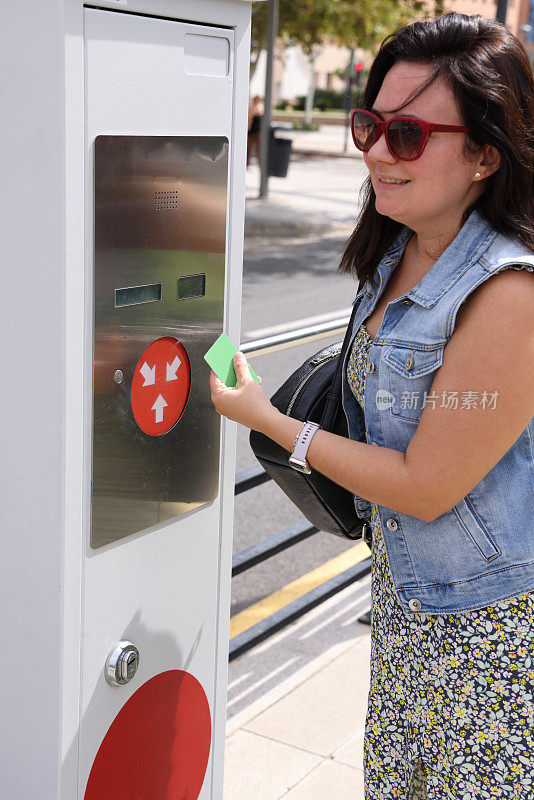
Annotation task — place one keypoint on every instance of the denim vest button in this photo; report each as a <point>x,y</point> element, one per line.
<point>409,363</point>
<point>392,524</point>
<point>415,605</point>
<point>370,367</point>
<point>375,444</point>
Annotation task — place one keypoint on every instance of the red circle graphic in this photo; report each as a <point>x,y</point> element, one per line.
<point>160,386</point>
<point>158,745</point>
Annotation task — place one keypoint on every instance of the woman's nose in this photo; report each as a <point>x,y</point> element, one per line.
<point>380,152</point>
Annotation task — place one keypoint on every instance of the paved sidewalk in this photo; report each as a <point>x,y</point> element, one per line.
<point>318,195</point>
<point>297,705</point>
<point>329,140</point>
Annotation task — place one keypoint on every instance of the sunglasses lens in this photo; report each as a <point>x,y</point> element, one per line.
<point>364,130</point>
<point>405,138</point>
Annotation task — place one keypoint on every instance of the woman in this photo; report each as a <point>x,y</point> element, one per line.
<point>449,485</point>
<point>255,114</point>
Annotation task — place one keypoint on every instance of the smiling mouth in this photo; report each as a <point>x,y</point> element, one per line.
<point>393,181</point>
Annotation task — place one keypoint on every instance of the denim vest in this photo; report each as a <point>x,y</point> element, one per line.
<point>481,550</point>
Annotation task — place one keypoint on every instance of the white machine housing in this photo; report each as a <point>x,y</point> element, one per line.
<point>69,73</point>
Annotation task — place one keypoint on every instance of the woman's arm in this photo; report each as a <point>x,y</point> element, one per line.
<point>492,351</point>
<point>452,450</point>
<point>376,473</point>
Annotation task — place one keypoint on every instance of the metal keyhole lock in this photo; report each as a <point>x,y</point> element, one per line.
<point>122,663</point>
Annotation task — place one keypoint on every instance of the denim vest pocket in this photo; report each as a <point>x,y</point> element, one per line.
<point>410,372</point>
<point>472,524</point>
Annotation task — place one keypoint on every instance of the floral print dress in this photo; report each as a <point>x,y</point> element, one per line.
<point>451,702</point>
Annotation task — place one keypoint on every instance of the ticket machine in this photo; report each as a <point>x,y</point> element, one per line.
<point>122,140</point>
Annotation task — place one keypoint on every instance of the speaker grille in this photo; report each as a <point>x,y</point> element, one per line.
<point>164,201</point>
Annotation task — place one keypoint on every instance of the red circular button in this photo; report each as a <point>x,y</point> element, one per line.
<point>160,386</point>
<point>158,745</point>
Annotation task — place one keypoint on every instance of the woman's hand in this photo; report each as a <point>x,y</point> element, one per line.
<point>245,403</point>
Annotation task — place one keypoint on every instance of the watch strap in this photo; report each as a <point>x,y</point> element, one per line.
<point>297,459</point>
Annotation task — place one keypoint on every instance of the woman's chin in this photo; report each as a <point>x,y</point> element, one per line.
<point>388,209</point>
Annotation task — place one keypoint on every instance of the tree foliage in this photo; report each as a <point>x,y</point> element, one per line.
<point>347,23</point>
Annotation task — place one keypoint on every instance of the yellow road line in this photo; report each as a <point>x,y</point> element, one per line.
<point>292,591</point>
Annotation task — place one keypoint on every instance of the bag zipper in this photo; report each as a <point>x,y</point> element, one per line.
<point>305,380</point>
<point>319,359</point>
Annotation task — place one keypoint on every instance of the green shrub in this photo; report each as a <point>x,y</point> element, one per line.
<point>306,126</point>
<point>330,100</point>
<point>324,100</point>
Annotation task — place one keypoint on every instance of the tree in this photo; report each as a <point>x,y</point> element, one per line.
<point>347,23</point>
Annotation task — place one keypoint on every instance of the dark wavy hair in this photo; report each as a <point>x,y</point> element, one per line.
<point>490,75</point>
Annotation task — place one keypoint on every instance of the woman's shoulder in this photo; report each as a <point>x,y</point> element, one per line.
<point>506,255</point>
<point>507,252</point>
<point>509,290</point>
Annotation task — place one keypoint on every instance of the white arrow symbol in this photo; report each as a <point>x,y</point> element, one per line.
<point>172,368</point>
<point>149,374</point>
<point>158,407</point>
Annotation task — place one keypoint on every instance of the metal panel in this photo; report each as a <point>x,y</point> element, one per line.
<point>160,213</point>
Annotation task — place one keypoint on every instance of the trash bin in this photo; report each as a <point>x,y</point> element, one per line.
<point>279,154</point>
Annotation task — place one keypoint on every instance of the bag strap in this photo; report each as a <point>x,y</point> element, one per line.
<point>334,395</point>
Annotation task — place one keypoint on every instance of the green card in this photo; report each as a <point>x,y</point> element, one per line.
<point>220,356</point>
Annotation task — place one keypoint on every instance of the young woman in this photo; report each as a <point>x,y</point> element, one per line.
<point>438,392</point>
<point>255,114</point>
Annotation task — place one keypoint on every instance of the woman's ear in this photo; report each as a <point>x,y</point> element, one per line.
<point>489,161</point>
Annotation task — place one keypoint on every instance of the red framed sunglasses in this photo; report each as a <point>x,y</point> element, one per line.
<point>406,137</point>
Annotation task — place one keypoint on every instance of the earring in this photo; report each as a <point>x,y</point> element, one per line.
<point>477,174</point>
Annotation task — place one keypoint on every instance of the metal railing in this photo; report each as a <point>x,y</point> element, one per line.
<point>309,333</point>
<point>278,542</point>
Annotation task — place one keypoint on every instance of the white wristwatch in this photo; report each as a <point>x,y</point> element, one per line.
<point>297,459</point>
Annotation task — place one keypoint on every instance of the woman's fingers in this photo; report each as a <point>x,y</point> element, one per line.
<point>241,369</point>
<point>245,403</point>
<point>215,381</point>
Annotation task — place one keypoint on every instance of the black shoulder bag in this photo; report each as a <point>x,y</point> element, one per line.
<point>313,393</point>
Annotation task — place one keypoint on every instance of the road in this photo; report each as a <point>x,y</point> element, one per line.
<point>285,281</point>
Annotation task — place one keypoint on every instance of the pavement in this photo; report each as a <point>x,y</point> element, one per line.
<point>329,140</point>
<point>296,703</point>
<point>318,195</point>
